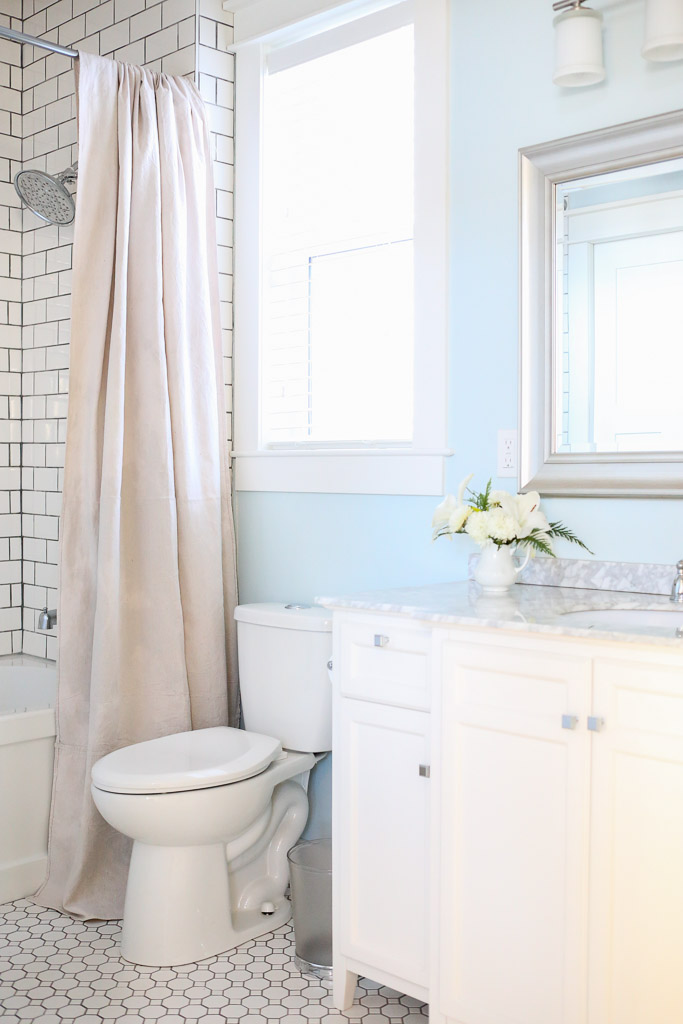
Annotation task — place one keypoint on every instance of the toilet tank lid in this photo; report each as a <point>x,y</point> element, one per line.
<point>311,618</point>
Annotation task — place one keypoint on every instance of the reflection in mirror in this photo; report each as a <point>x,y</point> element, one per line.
<point>618,338</point>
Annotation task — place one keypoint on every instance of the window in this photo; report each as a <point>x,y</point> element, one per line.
<point>336,389</point>
<point>338,246</point>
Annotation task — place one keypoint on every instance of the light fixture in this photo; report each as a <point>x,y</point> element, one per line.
<point>578,44</point>
<point>663,30</point>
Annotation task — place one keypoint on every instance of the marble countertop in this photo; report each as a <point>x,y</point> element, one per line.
<point>525,607</point>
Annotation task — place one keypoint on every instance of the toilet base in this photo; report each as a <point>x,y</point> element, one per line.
<point>178,907</point>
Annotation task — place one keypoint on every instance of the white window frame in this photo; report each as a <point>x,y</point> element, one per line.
<point>418,468</point>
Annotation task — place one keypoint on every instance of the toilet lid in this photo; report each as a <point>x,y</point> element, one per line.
<point>186,761</point>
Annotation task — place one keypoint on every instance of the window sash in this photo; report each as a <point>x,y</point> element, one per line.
<point>417,469</point>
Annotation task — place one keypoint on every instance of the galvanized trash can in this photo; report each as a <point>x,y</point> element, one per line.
<point>310,873</point>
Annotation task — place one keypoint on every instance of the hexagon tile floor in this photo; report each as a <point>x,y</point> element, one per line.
<point>55,970</point>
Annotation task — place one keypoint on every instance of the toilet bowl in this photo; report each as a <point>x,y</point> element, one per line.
<point>209,841</point>
<point>212,813</point>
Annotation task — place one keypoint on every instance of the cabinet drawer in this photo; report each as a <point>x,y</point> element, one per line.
<point>382,660</point>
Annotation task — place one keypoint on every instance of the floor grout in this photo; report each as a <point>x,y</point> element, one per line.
<point>54,970</point>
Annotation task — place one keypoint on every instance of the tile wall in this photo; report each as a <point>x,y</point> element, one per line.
<point>185,37</point>
<point>10,335</point>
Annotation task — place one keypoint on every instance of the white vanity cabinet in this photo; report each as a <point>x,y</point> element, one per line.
<point>513,807</point>
<point>508,822</point>
<point>559,824</point>
<point>636,843</point>
<point>381,804</point>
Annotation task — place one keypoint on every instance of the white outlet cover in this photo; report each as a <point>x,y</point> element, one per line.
<point>507,453</point>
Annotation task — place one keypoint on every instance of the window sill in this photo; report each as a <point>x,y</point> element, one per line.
<point>342,471</point>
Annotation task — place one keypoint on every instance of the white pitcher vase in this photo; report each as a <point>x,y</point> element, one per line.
<point>495,571</point>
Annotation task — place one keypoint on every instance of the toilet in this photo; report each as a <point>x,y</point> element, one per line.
<point>212,813</point>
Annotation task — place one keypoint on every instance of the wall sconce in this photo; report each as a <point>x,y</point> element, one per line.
<point>663,30</point>
<point>578,44</point>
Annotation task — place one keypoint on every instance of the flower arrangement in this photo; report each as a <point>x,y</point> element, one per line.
<point>500,518</point>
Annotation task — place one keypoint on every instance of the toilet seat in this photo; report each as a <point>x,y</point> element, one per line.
<point>186,761</point>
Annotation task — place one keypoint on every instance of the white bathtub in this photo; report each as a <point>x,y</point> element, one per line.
<point>27,738</point>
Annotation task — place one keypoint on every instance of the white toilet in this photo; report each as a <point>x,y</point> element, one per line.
<point>214,812</point>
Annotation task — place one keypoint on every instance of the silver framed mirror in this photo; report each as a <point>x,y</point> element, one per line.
<point>601,312</point>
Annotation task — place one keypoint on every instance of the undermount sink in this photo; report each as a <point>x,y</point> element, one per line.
<point>627,618</point>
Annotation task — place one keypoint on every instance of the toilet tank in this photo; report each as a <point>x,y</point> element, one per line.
<point>283,652</point>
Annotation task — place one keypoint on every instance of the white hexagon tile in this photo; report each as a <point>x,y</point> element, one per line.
<point>55,970</point>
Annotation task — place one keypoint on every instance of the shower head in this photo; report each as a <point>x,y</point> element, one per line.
<point>46,195</point>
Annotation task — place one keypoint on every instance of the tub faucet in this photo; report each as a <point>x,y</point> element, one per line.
<point>48,618</point>
<point>677,589</point>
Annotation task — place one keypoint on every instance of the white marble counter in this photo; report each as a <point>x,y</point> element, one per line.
<point>538,609</point>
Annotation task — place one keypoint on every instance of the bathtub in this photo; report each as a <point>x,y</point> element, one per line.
<point>27,738</point>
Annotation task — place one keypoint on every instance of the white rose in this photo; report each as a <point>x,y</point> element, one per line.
<point>478,527</point>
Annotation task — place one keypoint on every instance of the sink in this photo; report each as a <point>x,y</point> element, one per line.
<point>627,618</point>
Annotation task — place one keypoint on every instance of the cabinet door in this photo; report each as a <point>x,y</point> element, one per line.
<point>381,821</point>
<point>513,801</point>
<point>636,908</point>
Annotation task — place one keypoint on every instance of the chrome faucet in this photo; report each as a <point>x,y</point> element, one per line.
<point>48,618</point>
<point>677,589</point>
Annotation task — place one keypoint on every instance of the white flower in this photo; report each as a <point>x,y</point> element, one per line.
<point>524,509</point>
<point>501,526</point>
<point>529,514</point>
<point>451,514</point>
<point>462,487</point>
<point>458,518</point>
<point>444,511</point>
<point>478,527</point>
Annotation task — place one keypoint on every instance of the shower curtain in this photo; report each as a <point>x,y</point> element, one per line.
<point>147,578</point>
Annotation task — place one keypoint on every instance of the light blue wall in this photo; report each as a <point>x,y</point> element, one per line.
<point>298,546</point>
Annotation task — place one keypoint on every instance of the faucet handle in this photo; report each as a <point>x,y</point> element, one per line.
<point>677,588</point>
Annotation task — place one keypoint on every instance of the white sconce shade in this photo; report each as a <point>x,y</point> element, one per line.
<point>578,48</point>
<point>663,30</point>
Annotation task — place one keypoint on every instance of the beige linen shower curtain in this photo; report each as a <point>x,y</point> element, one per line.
<point>147,579</point>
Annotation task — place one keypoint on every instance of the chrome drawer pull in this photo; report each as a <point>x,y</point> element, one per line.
<point>569,721</point>
<point>381,641</point>
<point>425,771</point>
<point>595,724</point>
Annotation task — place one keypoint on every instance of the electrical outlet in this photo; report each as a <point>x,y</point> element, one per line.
<point>507,453</point>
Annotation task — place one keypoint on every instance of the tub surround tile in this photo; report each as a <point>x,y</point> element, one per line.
<point>54,969</point>
<point>38,130</point>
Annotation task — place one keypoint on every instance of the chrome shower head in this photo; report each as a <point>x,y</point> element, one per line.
<point>46,195</point>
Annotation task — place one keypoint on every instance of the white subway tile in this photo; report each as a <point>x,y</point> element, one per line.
<point>99,17</point>
<point>114,38</point>
<point>145,24</point>
<point>161,43</point>
<point>34,643</point>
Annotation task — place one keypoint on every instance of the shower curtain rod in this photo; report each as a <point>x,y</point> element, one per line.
<point>21,37</point>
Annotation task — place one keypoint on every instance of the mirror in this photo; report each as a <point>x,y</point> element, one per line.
<point>602,311</point>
